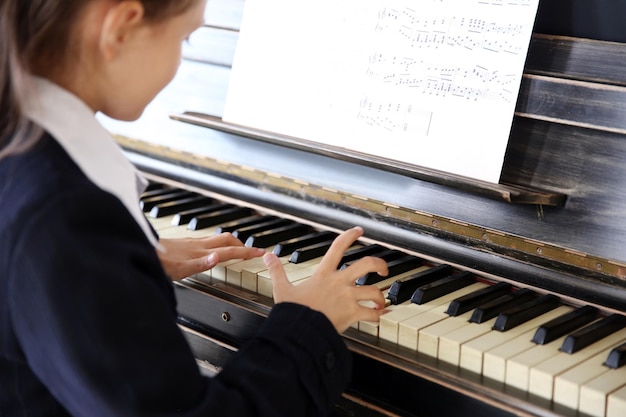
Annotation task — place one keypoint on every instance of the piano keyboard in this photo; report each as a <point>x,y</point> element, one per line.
<point>566,357</point>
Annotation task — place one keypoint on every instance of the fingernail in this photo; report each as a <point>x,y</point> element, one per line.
<point>267,259</point>
<point>211,259</point>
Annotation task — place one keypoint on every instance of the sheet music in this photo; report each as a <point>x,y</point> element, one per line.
<point>431,83</point>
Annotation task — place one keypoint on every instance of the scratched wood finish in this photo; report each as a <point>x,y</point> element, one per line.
<point>568,57</point>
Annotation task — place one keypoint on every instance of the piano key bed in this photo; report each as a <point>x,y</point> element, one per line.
<point>454,328</point>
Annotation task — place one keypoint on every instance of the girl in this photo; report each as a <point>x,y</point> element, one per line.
<point>87,311</point>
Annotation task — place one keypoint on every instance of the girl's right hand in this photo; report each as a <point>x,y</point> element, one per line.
<point>331,291</point>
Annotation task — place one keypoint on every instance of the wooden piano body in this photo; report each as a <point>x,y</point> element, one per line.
<point>556,225</point>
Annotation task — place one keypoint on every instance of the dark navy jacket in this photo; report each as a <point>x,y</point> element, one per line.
<point>87,316</point>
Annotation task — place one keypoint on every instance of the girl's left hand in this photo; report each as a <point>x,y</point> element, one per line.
<point>188,256</point>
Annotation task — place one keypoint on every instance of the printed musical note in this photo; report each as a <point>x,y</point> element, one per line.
<point>419,31</point>
<point>395,117</point>
<point>477,83</point>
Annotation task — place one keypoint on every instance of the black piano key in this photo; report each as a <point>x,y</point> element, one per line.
<point>241,223</point>
<point>470,301</point>
<point>273,236</point>
<point>395,267</point>
<point>617,357</point>
<point>564,324</point>
<point>287,247</point>
<point>442,287</point>
<point>203,221</point>
<point>146,204</point>
<point>592,333</point>
<point>360,252</point>
<point>185,216</point>
<point>492,308</point>
<point>402,289</point>
<point>244,233</point>
<point>387,255</point>
<point>175,206</point>
<point>523,312</point>
<point>310,252</point>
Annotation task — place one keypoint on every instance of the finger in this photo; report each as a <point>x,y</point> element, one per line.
<point>370,293</point>
<point>338,248</point>
<point>366,265</point>
<point>209,262</point>
<point>194,266</point>
<point>204,263</point>
<point>369,314</point>
<point>277,274</point>
<point>371,297</point>
<point>239,252</point>
<point>221,240</point>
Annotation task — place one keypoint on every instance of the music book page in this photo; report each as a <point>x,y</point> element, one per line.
<point>431,83</point>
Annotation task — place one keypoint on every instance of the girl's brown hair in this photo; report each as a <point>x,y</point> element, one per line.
<point>36,33</point>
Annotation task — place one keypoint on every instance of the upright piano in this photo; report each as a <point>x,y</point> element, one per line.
<point>506,299</point>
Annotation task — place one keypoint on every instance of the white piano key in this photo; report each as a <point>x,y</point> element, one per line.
<point>250,272</point>
<point>450,344</point>
<point>428,338</point>
<point>373,328</point>
<point>234,272</point>
<point>616,403</point>
<point>567,385</point>
<point>472,352</point>
<point>408,329</point>
<point>518,367</point>
<point>219,271</point>
<point>494,360</point>
<point>388,325</point>
<point>541,379</point>
<point>594,394</point>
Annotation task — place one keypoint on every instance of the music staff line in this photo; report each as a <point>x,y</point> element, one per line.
<point>434,32</point>
<point>475,82</point>
<point>395,117</point>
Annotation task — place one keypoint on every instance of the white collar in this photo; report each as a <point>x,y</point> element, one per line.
<point>74,126</point>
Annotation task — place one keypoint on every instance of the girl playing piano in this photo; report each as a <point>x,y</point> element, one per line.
<point>87,310</point>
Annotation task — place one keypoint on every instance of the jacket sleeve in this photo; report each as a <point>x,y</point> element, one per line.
<point>94,314</point>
